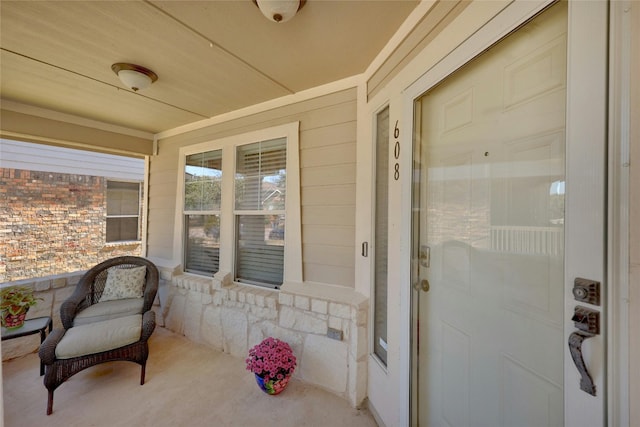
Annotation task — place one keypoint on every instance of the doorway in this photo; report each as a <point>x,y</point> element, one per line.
<point>490,304</point>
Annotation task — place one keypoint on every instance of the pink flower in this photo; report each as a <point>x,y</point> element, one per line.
<point>272,359</point>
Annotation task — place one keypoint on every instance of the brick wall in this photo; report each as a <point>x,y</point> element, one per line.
<point>53,223</point>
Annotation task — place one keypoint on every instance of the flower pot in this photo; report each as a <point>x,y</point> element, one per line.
<point>13,321</point>
<point>272,386</point>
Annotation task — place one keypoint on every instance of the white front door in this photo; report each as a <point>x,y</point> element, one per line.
<point>499,194</point>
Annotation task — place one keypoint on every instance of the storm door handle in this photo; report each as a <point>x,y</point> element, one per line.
<point>575,347</point>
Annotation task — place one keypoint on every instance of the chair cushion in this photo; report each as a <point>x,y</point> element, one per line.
<point>109,310</point>
<point>99,336</point>
<point>124,283</point>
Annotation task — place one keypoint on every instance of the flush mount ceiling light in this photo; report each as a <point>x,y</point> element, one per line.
<point>279,10</point>
<point>135,77</point>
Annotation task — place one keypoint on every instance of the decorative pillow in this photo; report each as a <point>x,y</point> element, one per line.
<point>124,283</point>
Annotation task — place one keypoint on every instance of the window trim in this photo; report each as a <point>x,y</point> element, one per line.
<point>293,235</point>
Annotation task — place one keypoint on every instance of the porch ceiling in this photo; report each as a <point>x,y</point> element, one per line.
<point>211,57</point>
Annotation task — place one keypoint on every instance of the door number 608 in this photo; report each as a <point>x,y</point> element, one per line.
<point>396,152</point>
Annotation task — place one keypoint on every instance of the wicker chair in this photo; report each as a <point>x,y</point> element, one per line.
<point>87,293</point>
<point>90,287</point>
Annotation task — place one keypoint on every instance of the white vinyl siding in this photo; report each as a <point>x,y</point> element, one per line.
<point>48,158</point>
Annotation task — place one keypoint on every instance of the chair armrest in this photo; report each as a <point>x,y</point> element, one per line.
<point>68,310</point>
<point>74,303</point>
<point>148,325</point>
<point>71,306</point>
<point>47,351</point>
<point>151,286</point>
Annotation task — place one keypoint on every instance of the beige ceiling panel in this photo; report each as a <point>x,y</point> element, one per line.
<point>40,85</point>
<point>85,38</point>
<point>212,57</point>
<point>324,42</point>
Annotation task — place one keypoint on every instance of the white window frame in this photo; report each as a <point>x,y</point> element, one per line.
<point>138,216</point>
<point>293,236</point>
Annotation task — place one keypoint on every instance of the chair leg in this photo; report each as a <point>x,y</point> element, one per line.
<point>50,403</point>
<point>142,374</point>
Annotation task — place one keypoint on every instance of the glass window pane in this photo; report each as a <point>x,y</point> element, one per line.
<point>260,249</point>
<point>203,181</point>
<point>261,175</point>
<point>202,246</point>
<point>123,198</point>
<point>381,236</point>
<point>122,229</point>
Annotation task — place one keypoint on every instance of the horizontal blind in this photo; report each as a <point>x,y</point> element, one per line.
<point>123,211</point>
<point>260,189</point>
<point>122,229</point>
<point>260,250</point>
<point>261,175</point>
<point>123,198</point>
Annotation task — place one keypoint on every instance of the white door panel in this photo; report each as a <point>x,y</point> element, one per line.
<point>493,326</point>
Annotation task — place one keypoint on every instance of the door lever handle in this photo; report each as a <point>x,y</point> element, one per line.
<point>575,347</point>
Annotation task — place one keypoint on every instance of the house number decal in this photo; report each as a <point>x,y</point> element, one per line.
<point>396,152</point>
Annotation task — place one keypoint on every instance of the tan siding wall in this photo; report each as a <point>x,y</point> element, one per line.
<point>327,175</point>
<point>438,17</point>
<point>163,175</point>
<point>634,219</point>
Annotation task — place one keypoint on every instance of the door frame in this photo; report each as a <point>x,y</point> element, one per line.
<point>509,19</point>
<point>621,69</point>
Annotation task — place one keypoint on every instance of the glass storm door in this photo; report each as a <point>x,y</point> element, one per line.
<point>490,296</point>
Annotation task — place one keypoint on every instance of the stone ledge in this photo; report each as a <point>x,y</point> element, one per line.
<point>323,291</point>
<point>194,283</point>
<point>123,243</point>
<point>40,284</point>
<point>263,298</point>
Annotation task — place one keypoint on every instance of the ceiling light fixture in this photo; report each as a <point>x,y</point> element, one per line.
<point>279,10</point>
<point>135,77</point>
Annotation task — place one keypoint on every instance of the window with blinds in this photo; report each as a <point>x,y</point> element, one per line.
<point>123,211</point>
<point>202,200</point>
<point>260,190</point>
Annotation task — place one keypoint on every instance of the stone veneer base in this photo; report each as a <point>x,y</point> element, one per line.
<point>233,317</point>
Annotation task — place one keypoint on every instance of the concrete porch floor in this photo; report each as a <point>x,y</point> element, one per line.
<point>186,384</point>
